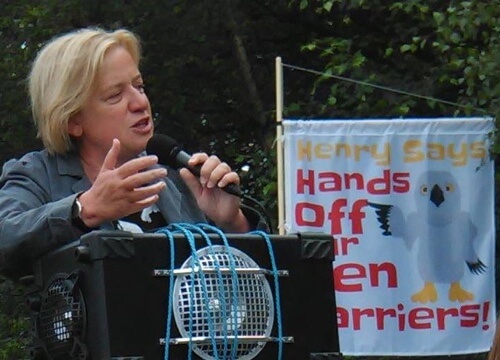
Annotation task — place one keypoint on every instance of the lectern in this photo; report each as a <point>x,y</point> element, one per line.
<point>118,295</point>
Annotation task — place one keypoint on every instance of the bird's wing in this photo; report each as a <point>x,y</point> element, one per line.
<point>470,232</point>
<point>477,267</point>
<point>391,219</point>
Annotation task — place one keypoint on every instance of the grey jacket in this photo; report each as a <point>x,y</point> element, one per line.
<point>36,196</point>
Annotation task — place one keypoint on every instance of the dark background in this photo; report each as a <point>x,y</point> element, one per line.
<point>209,68</point>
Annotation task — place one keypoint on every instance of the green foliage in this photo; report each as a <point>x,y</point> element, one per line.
<point>14,322</point>
<point>441,50</point>
<point>209,70</point>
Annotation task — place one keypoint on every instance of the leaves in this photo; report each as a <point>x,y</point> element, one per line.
<point>452,55</point>
<point>14,322</point>
<point>445,50</point>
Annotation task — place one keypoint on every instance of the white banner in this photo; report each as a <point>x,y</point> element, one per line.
<point>410,203</point>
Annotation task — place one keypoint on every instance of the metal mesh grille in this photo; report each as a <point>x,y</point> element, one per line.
<point>60,319</point>
<point>207,303</point>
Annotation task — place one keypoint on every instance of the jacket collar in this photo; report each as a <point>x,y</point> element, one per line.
<point>69,165</point>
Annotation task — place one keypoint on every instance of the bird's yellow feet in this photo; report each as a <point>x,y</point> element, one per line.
<point>428,293</point>
<point>456,293</point>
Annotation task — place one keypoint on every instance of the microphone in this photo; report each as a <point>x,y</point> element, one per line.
<point>170,153</point>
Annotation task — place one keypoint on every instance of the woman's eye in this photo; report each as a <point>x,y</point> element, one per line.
<point>115,97</point>
<point>141,88</point>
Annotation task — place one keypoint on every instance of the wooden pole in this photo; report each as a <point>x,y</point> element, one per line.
<point>279,146</point>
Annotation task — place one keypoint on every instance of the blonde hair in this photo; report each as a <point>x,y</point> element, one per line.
<point>63,75</point>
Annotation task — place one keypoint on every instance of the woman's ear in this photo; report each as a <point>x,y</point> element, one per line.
<point>74,127</point>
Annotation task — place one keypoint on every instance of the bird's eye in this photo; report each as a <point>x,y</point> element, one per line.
<point>424,189</point>
<point>449,187</point>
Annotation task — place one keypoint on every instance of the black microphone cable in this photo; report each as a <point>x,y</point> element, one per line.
<point>262,213</point>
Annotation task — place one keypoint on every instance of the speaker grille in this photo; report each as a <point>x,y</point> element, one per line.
<point>205,306</point>
<point>61,318</point>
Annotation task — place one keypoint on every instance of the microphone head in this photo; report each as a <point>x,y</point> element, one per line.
<point>165,148</point>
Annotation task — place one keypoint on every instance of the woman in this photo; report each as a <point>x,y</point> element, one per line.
<point>94,118</point>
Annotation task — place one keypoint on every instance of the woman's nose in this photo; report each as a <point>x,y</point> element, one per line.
<point>138,99</point>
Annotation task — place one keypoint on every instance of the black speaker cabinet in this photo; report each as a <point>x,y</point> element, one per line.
<point>123,296</point>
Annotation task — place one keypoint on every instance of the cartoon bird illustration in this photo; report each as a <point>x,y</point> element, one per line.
<point>445,235</point>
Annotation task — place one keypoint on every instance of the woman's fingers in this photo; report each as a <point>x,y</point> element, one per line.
<point>144,178</point>
<point>145,192</point>
<point>213,172</point>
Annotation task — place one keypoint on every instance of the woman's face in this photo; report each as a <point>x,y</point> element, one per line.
<point>117,108</point>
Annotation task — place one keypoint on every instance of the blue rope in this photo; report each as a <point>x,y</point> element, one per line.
<point>276,289</point>
<point>170,290</point>
<point>196,261</point>
<point>234,287</point>
<point>187,230</point>
<point>220,280</point>
<point>191,301</point>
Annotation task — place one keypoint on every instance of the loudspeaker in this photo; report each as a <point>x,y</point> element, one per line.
<point>117,295</point>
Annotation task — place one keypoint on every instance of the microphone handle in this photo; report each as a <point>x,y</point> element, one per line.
<point>183,157</point>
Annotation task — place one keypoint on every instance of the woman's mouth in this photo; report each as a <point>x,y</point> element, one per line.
<point>143,125</point>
